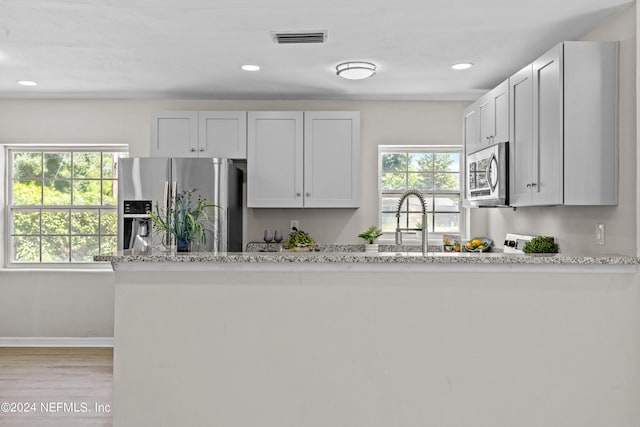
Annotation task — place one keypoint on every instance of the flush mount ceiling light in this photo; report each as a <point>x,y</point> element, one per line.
<point>355,70</point>
<point>27,83</point>
<point>462,66</point>
<point>249,67</point>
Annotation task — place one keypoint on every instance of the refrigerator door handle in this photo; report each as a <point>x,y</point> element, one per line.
<point>174,193</point>
<point>165,201</point>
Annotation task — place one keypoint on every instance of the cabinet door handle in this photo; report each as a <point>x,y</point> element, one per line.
<point>201,149</point>
<point>298,194</point>
<point>533,185</point>
<point>528,185</point>
<point>193,150</point>
<point>308,194</point>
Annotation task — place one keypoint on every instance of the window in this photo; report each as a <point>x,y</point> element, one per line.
<point>62,204</point>
<point>435,172</point>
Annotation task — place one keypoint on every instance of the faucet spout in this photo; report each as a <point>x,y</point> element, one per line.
<point>399,230</point>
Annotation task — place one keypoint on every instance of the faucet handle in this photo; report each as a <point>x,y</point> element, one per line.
<point>398,237</point>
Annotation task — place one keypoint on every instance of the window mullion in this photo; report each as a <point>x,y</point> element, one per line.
<point>40,235</point>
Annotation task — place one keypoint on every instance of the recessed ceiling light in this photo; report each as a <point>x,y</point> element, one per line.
<point>462,66</point>
<point>27,83</point>
<point>355,70</point>
<point>249,67</point>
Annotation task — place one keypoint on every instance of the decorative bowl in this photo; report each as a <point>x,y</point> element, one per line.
<point>478,244</point>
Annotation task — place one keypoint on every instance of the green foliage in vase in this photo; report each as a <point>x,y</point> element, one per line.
<point>371,234</point>
<point>187,218</point>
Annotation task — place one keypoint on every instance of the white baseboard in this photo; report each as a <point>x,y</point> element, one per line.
<point>56,341</point>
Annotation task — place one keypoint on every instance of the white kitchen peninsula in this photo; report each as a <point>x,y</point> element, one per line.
<point>284,340</point>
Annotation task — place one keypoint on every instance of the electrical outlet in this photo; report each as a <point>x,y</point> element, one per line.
<point>600,234</point>
<point>294,224</point>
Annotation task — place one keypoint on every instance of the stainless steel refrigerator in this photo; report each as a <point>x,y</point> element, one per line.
<point>147,182</point>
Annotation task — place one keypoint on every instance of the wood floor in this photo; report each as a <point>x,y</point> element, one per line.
<point>55,387</point>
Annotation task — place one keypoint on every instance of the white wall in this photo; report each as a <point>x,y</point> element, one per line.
<point>574,227</point>
<point>507,347</point>
<point>76,304</point>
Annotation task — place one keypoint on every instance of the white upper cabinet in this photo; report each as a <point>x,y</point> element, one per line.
<point>493,110</point>
<point>222,134</point>
<point>590,123</point>
<point>521,140</point>
<point>331,159</point>
<point>199,134</point>
<point>309,159</point>
<point>486,121</point>
<point>536,155</point>
<point>547,156</point>
<point>174,134</point>
<point>500,97</point>
<point>275,156</point>
<point>563,144</point>
<point>471,128</point>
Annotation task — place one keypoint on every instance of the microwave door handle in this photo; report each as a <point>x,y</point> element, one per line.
<point>492,162</point>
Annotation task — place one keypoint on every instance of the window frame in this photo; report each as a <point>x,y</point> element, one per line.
<point>9,209</point>
<point>435,238</point>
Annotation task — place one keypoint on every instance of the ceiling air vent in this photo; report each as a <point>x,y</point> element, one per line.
<point>299,37</point>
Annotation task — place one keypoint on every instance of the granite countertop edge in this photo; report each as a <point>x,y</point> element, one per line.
<point>365,258</point>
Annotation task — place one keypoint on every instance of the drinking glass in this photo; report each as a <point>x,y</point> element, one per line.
<point>268,237</point>
<point>277,237</point>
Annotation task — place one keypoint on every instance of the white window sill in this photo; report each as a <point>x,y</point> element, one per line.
<point>93,267</point>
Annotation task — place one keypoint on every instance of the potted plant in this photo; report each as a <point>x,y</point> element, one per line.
<point>370,235</point>
<point>299,241</point>
<point>541,245</point>
<point>185,220</point>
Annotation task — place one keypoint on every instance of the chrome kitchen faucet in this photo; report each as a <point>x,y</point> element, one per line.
<point>425,234</point>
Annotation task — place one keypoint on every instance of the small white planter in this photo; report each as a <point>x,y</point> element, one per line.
<point>371,249</point>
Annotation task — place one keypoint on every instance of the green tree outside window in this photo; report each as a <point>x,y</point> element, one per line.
<point>63,205</point>
<point>435,173</point>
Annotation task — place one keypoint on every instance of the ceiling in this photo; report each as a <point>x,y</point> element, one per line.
<point>192,49</point>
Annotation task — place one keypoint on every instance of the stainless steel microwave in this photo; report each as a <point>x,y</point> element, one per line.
<point>487,174</point>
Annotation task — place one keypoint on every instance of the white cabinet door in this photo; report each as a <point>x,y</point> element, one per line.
<point>500,96</point>
<point>222,134</point>
<point>486,120</point>
<point>331,159</point>
<point>174,134</point>
<point>471,128</point>
<point>547,183</point>
<point>493,111</point>
<point>536,146</point>
<point>590,123</point>
<point>275,159</point>
<point>521,140</point>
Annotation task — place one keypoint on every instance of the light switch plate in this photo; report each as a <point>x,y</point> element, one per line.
<point>294,223</point>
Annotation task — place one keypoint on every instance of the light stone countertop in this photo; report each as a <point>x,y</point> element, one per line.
<point>362,258</point>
